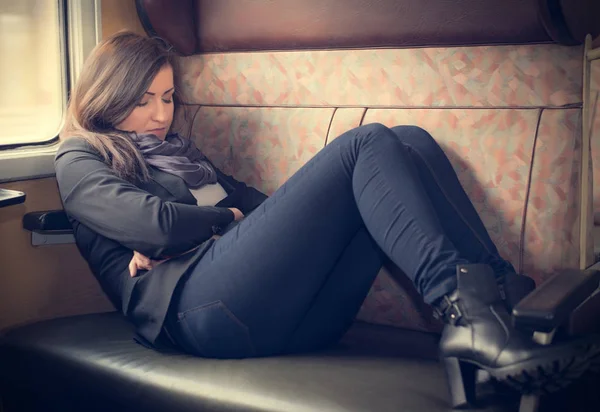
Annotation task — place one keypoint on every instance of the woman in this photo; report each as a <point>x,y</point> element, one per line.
<point>195,258</point>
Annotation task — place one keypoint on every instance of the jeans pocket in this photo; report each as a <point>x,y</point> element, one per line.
<point>215,332</point>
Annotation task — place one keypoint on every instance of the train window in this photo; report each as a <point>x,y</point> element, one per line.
<point>43,44</point>
<point>33,88</point>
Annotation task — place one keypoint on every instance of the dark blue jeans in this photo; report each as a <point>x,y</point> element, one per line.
<point>292,275</point>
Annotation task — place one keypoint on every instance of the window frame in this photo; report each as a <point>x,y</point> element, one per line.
<point>80,30</point>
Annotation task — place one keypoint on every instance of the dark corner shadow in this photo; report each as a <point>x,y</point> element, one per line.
<point>424,310</point>
<point>465,169</point>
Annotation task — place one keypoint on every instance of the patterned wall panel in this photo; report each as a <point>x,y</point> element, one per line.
<point>527,75</point>
<point>552,224</point>
<point>392,302</point>
<point>261,146</point>
<point>491,152</point>
<point>345,119</point>
<point>481,104</point>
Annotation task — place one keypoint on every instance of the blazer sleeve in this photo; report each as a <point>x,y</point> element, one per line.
<point>117,209</point>
<point>246,198</point>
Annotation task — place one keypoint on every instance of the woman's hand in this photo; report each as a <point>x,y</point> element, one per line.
<point>141,262</point>
<point>238,215</point>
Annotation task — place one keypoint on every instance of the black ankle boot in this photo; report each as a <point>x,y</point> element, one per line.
<point>479,335</point>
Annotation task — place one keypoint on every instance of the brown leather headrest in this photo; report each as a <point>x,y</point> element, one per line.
<point>197,26</point>
<point>171,20</point>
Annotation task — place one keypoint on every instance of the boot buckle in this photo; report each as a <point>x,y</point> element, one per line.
<point>453,314</point>
<point>448,310</point>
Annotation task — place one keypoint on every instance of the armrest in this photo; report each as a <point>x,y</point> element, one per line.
<point>550,305</point>
<point>48,222</point>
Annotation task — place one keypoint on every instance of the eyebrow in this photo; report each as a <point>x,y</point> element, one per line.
<point>152,94</point>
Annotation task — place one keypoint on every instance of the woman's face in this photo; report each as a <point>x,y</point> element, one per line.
<point>153,114</point>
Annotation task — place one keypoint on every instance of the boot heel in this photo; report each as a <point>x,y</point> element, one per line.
<point>461,379</point>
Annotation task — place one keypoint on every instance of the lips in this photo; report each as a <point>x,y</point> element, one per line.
<point>158,132</point>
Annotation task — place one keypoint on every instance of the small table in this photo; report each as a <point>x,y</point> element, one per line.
<point>11,197</point>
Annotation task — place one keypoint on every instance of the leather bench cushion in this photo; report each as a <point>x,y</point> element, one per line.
<point>374,369</point>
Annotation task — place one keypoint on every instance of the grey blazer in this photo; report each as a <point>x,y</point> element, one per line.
<point>111,217</point>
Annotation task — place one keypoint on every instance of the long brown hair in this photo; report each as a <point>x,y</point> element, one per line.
<point>115,76</point>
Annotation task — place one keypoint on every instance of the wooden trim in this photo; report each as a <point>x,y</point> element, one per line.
<point>593,54</point>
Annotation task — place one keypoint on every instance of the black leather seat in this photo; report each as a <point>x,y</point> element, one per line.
<point>90,363</point>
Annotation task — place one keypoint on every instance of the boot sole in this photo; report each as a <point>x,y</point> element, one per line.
<point>539,377</point>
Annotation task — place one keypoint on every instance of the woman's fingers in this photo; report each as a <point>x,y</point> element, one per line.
<point>132,268</point>
<point>141,259</point>
<point>141,262</point>
<point>144,264</point>
<point>237,213</point>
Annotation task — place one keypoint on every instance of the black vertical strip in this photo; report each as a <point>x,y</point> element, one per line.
<point>144,18</point>
<point>193,120</point>
<point>527,194</point>
<point>553,20</point>
<point>362,118</point>
<point>329,127</point>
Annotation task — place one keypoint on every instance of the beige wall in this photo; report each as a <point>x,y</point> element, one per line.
<point>46,281</point>
<point>119,15</point>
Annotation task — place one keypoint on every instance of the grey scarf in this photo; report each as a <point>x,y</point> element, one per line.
<point>178,156</point>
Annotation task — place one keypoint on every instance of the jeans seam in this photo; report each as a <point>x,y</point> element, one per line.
<point>456,210</point>
<point>227,311</point>
<point>185,325</point>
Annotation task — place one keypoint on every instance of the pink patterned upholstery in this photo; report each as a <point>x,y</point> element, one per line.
<point>491,152</point>
<point>496,76</point>
<point>261,116</point>
<point>552,229</point>
<point>344,120</point>
<point>261,146</point>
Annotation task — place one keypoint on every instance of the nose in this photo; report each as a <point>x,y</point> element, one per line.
<point>160,113</point>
